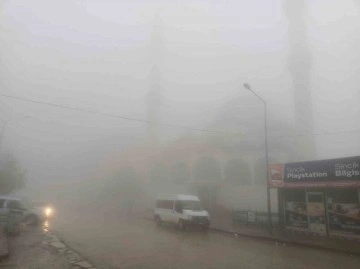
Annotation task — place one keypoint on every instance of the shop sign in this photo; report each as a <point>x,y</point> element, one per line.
<point>276,175</point>
<point>346,170</point>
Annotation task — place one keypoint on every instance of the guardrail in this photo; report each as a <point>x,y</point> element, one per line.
<point>247,217</point>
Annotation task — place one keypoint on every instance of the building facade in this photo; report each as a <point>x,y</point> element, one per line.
<point>319,197</point>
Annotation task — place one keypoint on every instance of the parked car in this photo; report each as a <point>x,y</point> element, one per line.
<point>181,210</point>
<point>36,213</point>
<point>14,211</point>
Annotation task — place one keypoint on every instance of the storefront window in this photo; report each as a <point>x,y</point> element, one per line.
<point>295,209</point>
<point>344,211</point>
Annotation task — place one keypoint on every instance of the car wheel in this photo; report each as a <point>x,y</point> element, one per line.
<point>182,225</point>
<point>158,221</point>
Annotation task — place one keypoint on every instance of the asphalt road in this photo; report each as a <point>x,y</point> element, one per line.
<point>138,243</point>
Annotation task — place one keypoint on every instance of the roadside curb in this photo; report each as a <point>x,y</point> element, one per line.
<point>75,260</point>
<point>279,240</point>
<point>286,241</point>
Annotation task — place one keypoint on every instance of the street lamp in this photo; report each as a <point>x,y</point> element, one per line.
<point>248,87</point>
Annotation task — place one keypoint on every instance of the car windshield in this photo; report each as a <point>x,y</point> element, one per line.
<point>192,205</point>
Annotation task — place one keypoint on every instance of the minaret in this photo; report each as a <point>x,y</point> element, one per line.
<point>299,65</point>
<point>154,97</point>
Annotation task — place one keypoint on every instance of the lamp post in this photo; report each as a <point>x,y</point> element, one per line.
<point>248,87</point>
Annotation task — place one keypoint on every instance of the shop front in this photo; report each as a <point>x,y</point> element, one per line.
<point>319,197</point>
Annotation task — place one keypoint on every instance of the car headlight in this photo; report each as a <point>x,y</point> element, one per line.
<point>48,211</point>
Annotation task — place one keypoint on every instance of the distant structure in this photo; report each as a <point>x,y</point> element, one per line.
<point>154,97</point>
<point>299,64</point>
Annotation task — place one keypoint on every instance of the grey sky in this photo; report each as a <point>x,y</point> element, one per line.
<point>95,55</point>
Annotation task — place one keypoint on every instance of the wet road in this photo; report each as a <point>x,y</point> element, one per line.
<point>138,243</point>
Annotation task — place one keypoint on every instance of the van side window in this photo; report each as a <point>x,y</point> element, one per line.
<point>169,204</point>
<point>178,207</point>
<point>165,204</point>
<point>159,204</point>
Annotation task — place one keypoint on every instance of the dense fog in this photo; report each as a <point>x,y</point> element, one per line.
<point>100,99</point>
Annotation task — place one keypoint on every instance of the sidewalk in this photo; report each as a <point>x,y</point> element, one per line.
<point>4,247</point>
<point>224,224</point>
<point>37,248</point>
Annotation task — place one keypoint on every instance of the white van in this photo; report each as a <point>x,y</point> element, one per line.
<point>181,210</point>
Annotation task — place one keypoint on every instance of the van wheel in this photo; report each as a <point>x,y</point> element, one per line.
<point>182,225</point>
<point>158,221</point>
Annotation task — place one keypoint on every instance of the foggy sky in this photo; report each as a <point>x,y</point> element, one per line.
<point>95,55</point>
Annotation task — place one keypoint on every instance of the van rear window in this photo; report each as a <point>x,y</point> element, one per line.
<point>165,204</point>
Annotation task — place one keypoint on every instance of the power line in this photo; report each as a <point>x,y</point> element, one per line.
<point>78,109</point>
<point>316,134</point>
<point>91,111</point>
